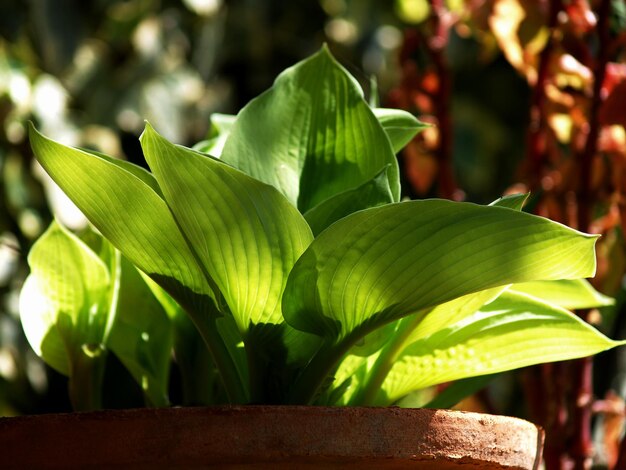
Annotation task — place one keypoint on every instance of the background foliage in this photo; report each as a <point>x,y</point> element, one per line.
<point>526,95</point>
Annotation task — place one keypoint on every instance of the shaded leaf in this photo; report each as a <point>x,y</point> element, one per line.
<point>142,336</point>
<point>373,193</point>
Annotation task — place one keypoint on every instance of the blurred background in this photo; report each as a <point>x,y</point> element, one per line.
<point>526,95</point>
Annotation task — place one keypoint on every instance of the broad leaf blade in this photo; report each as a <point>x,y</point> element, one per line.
<point>399,125</point>
<point>130,213</point>
<point>312,135</point>
<point>64,301</point>
<point>570,294</point>
<point>245,233</point>
<point>384,263</point>
<point>513,331</point>
<point>374,192</point>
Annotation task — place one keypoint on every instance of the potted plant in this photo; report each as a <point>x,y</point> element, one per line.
<point>281,245</point>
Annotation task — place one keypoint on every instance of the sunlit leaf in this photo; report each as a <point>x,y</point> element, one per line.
<point>132,215</point>
<point>570,294</point>
<point>221,125</point>
<point>381,264</point>
<point>513,331</point>
<point>245,233</point>
<point>399,125</point>
<point>64,302</point>
<point>128,212</point>
<point>312,135</point>
<point>512,201</point>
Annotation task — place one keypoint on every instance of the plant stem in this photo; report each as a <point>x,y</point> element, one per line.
<point>85,383</point>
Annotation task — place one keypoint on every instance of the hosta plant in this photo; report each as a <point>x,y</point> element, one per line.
<point>279,265</point>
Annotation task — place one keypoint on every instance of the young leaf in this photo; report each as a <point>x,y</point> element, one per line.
<point>513,331</point>
<point>374,192</point>
<point>399,125</point>
<point>312,135</point>
<point>220,130</point>
<point>380,264</point>
<point>64,309</point>
<point>570,294</point>
<point>512,201</point>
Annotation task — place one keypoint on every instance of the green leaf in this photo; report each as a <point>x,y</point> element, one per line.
<point>513,331</point>
<point>245,233</point>
<point>312,135</point>
<point>512,201</point>
<point>247,237</point>
<point>65,312</point>
<point>374,192</point>
<point>132,215</point>
<point>221,125</point>
<point>142,336</point>
<point>129,212</point>
<point>384,263</point>
<point>570,294</point>
<point>399,125</point>
<point>64,302</point>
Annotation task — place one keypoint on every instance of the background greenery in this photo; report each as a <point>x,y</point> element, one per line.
<point>509,83</point>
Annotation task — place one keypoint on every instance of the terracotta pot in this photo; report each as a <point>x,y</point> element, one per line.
<point>273,437</point>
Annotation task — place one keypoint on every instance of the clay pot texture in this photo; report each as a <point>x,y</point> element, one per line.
<point>271,437</point>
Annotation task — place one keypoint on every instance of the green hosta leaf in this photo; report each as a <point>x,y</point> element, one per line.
<point>513,331</point>
<point>221,125</point>
<point>570,294</point>
<point>381,264</point>
<point>312,135</point>
<point>64,304</point>
<point>399,125</point>
<point>512,201</point>
<point>247,236</point>
<point>142,336</point>
<point>129,212</point>
<point>245,233</point>
<point>373,193</point>
<point>65,312</point>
